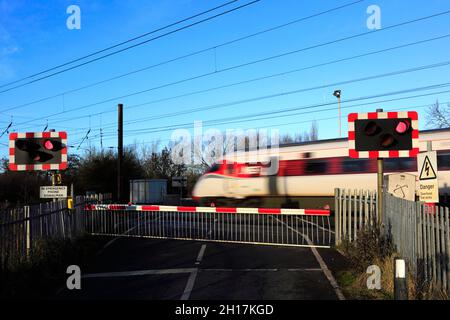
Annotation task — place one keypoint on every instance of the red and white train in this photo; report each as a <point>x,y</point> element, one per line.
<point>308,173</point>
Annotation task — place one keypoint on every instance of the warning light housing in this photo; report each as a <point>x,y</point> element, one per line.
<point>38,151</point>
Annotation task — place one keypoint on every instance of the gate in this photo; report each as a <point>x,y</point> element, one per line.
<point>270,226</point>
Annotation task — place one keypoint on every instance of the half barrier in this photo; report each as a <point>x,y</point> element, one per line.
<point>288,227</point>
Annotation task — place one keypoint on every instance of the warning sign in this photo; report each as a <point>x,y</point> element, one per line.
<point>428,176</point>
<point>402,185</point>
<point>53,192</point>
<point>427,171</point>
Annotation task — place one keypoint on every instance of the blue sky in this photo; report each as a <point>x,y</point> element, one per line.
<point>34,37</point>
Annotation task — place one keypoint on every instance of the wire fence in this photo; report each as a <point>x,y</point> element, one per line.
<point>290,227</point>
<point>419,232</point>
<point>21,228</point>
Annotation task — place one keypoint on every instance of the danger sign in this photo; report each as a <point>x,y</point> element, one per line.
<point>428,176</point>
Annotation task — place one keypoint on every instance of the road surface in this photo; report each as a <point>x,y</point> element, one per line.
<point>142,268</point>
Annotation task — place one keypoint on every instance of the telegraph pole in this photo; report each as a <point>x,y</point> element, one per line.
<point>119,151</point>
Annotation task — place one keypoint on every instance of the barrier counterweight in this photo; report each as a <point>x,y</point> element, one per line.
<point>290,227</point>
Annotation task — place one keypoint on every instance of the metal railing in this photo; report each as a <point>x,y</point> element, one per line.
<point>419,232</point>
<point>354,211</point>
<point>21,228</point>
<point>290,227</point>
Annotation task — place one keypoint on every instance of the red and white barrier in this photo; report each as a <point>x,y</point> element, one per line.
<point>122,207</point>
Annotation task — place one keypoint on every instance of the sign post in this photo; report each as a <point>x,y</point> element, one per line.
<point>428,177</point>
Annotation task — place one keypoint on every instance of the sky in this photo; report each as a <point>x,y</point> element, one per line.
<point>286,92</point>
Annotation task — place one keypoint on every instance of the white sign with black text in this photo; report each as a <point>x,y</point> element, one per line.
<point>51,192</point>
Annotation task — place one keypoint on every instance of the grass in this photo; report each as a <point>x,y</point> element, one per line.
<point>45,271</point>
<point>371,248</point>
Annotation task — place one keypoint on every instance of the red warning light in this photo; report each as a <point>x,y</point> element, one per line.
<point>403,126</point>
<point>48,145</point>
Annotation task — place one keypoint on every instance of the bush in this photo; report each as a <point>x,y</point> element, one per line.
<point>45,271</point>
<point>370,246</point>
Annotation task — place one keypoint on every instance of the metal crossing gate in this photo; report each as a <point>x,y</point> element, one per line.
<point>287,227</point>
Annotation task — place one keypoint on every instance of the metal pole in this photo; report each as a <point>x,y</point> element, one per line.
<point>119,151</point>
<point>380,187</point>
<point>28,231</point>
<point>380,190</point>
<point>53,182</point>
<point>400,282</point>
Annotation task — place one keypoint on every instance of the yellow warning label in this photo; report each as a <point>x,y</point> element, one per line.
<point>427,172</point>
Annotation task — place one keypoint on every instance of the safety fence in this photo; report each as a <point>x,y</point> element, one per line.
<point>354,211</point>
<point>290,227</point>
<point>22,228</point>
<point>419,231</point>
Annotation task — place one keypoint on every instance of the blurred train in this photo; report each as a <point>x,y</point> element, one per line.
<point>308,173</point>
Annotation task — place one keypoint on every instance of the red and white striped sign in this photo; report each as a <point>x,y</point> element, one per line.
<point>123,207</point>
<point>34,167</point>
<point>384,153</point>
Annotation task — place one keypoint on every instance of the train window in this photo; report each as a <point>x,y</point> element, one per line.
<point>315,166</point>
<point>351,165</point>
<point>214,168</point>
<point>400,164</point>
<point>443,161</point>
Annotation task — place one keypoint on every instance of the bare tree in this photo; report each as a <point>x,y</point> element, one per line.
<point>287,138</point>
<point>438,116</point>
<point>314,131</point>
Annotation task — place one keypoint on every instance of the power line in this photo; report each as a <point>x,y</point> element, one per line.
<point>256,79</point>
<point>313,106</point>
<point>131,46</point>
<point>306,121</point>
<point>248,81</point>
<point>118,44</point>
<point>182,57</point>
<point>284,110</point>
<point>284,93</point>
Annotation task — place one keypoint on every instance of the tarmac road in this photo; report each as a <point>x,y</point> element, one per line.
<point>142,268</point>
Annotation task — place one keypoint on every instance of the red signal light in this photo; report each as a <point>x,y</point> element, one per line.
<point>48,145</point>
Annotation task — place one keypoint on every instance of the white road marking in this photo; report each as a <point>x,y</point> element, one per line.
<point>189,285</point>
<point>200,254</point>
<point>314,224</point>
<point>126,232</point>
<point>322,264</point>
<point>260,270</point>
<point>138,273</point>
